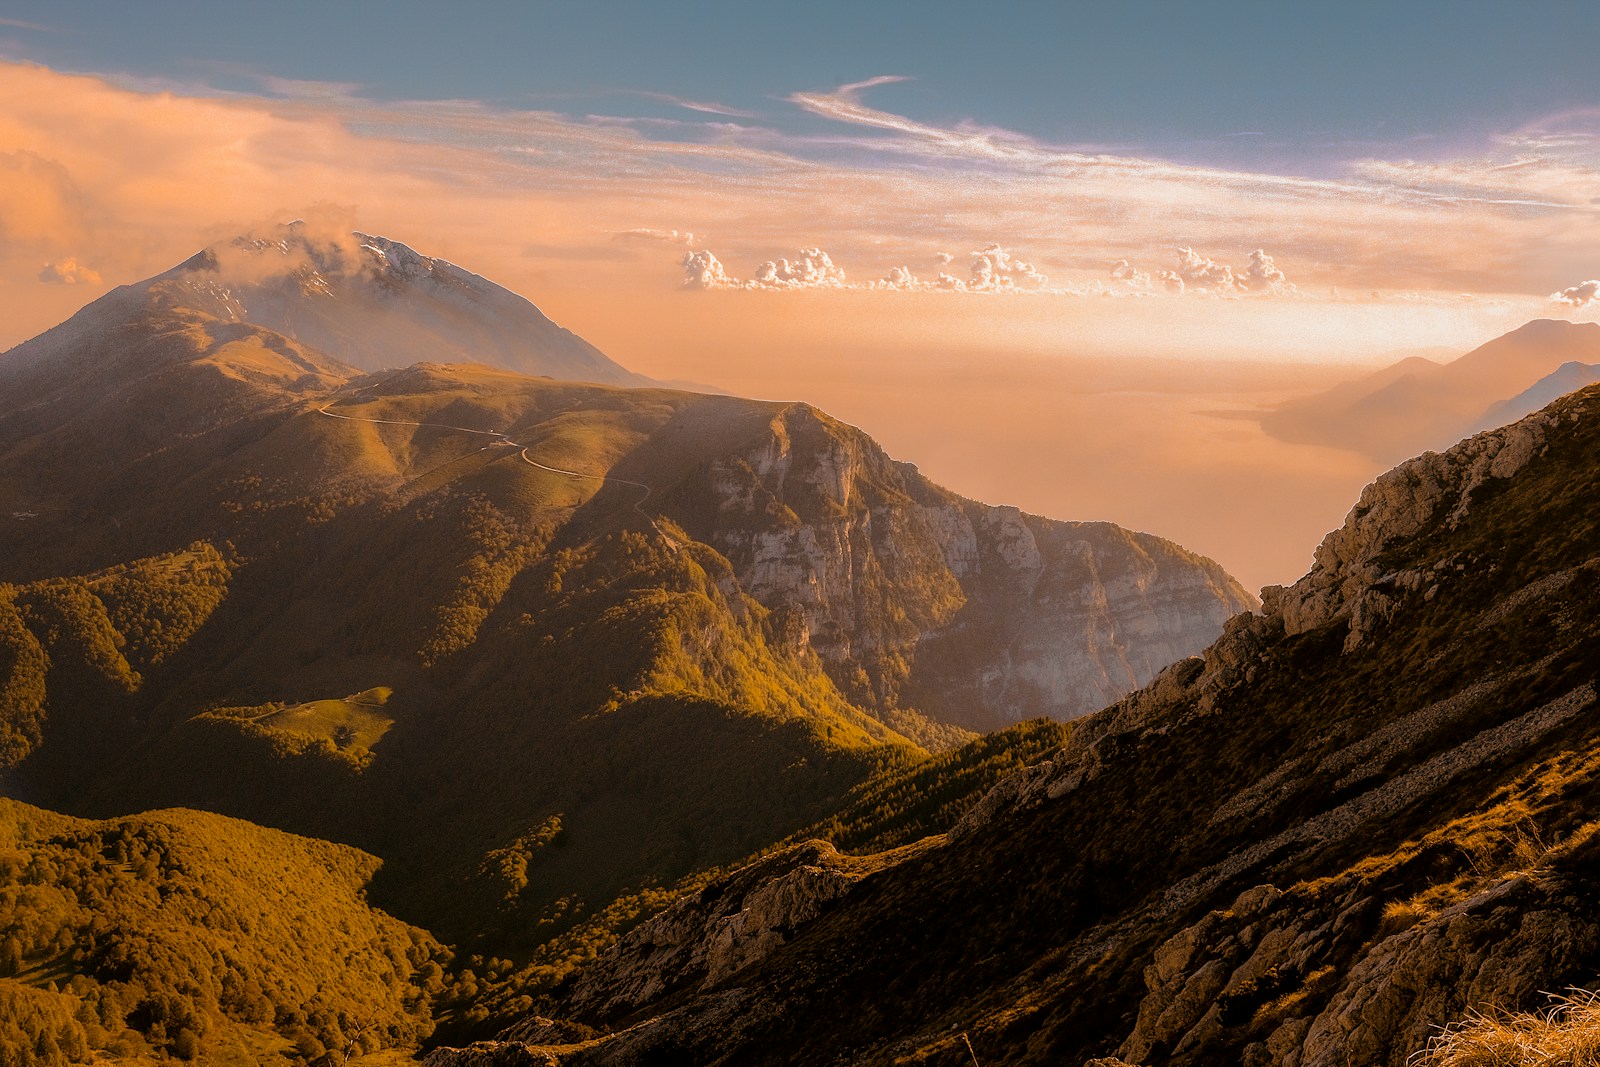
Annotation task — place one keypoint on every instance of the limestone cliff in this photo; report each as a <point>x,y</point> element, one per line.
<point>914,597</point>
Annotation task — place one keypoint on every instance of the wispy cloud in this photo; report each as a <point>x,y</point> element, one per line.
<point>675,237</point>
<point>705,106</point>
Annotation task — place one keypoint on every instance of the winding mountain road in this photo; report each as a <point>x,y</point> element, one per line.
<point>502,439</point>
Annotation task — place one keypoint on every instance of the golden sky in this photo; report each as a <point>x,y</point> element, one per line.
<point>866,252</point>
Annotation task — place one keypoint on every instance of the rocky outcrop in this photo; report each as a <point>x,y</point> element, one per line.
<point>492,1054</point>
<point>913,597</point>
<point>707,937</point>
<point>1347,580</point>
<point>1382,996</point>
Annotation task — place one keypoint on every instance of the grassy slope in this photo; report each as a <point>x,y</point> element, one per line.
<point>189,934</point>
<point>515,625</point>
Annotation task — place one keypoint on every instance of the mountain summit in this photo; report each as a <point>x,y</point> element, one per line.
<point>373,303</point>
<point>377,303</point>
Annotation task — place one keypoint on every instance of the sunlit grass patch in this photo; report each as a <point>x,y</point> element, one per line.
<point>355,721</point>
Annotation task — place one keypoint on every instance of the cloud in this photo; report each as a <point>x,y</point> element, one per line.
<point>676,237</point>
<point>1262,275</point>
<point>42,205</point>
<point>1580,295</point>
<point>1197,273</point>
<point>899,279</point>
<point>322,239</point>
<point>812,268</point>
<point>69,272</point>
<point>708,107</point>
<point>1126,272</point>
<point>702,270</point>
<point>966,141</point>
<point>995,269</point>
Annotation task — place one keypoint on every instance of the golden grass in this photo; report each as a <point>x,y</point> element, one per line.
<point>1566,1034</point>
<point>356,721</point>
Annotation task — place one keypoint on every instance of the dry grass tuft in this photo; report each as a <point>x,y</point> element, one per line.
<point>1566,1034</point>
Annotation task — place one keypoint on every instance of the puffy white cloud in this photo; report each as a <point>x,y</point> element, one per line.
<point>1580,295</point>
<point>945,258</point>
<point>1197,273</point>
<point>899,278</point>
<point>69,272</point>
<point>1133,276</point>
<point>675,237</point>
<point>995,269</point>
<point>812,268</point>
<point>702,270</point>
<point>1262,275</point>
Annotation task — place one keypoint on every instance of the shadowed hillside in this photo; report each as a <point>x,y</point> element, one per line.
<point>1362,814</point>
<point>535,643</point>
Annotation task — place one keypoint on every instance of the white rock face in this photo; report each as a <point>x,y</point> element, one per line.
<point>916,598</point>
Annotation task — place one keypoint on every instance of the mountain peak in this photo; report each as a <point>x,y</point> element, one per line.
<point>377,303</point>
<point>1549,327</point>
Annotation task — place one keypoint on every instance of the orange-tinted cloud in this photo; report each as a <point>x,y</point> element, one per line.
<point>133,181</point>
<point>69,272</point>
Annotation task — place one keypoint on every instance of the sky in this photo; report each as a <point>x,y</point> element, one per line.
<point>881,208</point>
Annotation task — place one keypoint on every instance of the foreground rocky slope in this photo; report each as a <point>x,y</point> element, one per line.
<point>1362,814</point>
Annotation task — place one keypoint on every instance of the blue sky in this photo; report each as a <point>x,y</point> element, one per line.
<point>1410,154</point>
<point>1297,86</point>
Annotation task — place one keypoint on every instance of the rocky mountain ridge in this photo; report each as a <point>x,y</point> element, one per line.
<point>913,596</point>
<point>1360,815</point>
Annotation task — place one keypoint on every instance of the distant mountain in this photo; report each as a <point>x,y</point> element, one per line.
<point>1361,815</point>
<point>1416,405</point>
<point>1567,378</point>
<point>534,643</point>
